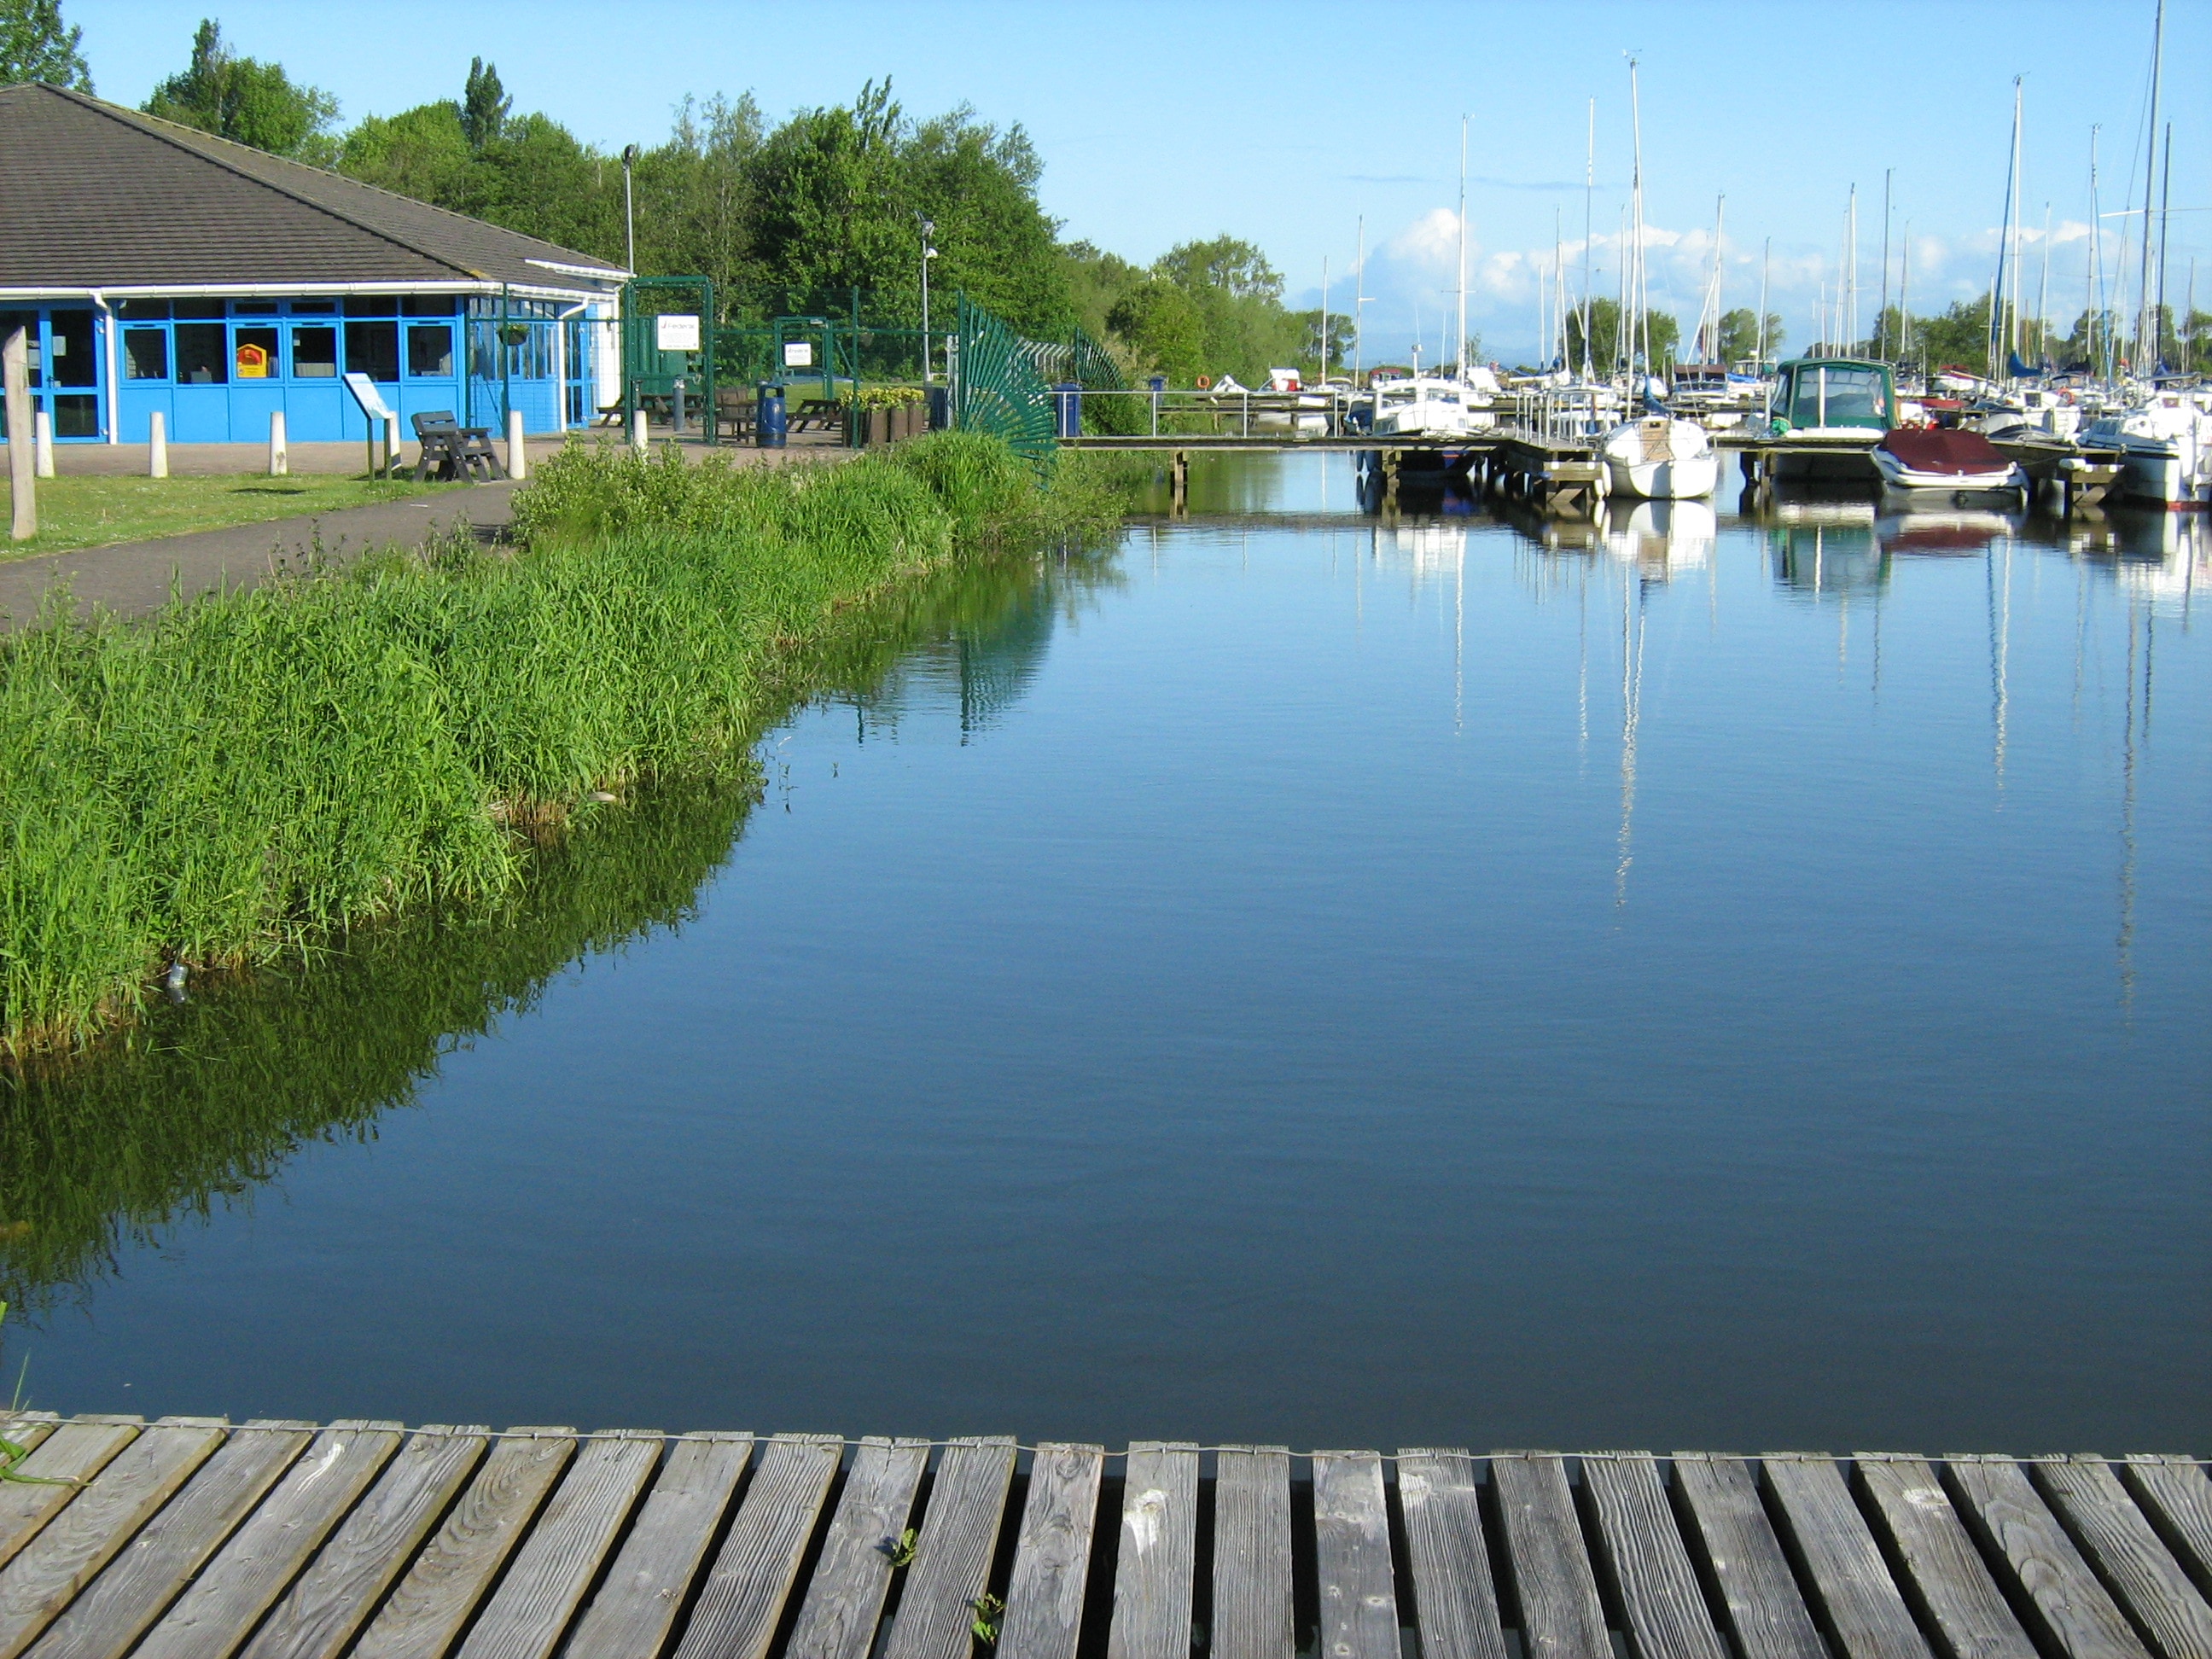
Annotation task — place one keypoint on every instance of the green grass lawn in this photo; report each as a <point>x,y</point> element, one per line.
<point>80,512</point>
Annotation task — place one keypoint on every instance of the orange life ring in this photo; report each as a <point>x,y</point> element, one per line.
<point>1206,383</point>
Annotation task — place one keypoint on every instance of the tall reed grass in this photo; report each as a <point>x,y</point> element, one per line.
<point>224,783</point>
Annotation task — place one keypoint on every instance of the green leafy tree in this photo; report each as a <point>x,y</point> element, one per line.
<point>1238,296</point>
<point>421,152</point>
<point>694,196</point>
<point>1958,337</point>
<point>247,100</point>
<point>484,105</point>
<point>1163,330</point>
<point>1097,282</point>
<point>1740,336</point>
<point>35,45</point>
<point>1339,343</point>
<point>1607,354</point>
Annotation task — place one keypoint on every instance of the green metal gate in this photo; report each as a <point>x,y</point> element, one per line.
<point>650,374</point>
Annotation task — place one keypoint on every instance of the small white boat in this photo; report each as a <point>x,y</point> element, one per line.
<point>2165,450</point>
<point>1660,458</point>
<point>1938,457</point>
<point>1432,406</point>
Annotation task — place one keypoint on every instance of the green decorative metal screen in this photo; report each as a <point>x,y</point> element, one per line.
<point>996,386</point>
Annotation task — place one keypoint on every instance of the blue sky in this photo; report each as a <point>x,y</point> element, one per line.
<point>1284,123</point>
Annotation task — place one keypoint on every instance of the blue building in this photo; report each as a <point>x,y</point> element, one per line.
<point>159,268</point>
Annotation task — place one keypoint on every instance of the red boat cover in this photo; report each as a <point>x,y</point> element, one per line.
<point>1943,450</point>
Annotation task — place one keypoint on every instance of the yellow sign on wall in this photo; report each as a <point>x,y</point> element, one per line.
<point>253,362</point>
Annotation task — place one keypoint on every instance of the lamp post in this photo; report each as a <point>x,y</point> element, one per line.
<point>928,228</point>
<point>629,211</point>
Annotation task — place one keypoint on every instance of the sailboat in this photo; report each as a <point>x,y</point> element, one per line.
<point>1656,457</point>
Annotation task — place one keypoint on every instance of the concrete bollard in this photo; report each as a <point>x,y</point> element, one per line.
<point>390,444</point>
<point>157,445</point>
<point>42,442</point>
<point>637,430</point>
<point>518,448</point>
<point>279,458</point>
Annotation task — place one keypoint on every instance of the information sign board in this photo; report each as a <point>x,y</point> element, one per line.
<point>676,333</point>
<point>799,353</point>
<point>371,401</point>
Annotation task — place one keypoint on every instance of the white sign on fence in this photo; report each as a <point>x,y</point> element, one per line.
<point>676,333</point>
<point>799,353</point>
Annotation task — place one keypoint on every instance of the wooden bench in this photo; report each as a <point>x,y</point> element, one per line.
<point>826,411</point>
<point>451,451</point>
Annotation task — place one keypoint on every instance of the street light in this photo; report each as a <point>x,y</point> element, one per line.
<point>629,213</point>
<point>928,229</point>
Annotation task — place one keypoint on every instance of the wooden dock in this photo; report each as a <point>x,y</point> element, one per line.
<point>285,1541</point>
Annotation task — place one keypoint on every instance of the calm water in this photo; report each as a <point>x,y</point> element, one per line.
<point>1697,982</point>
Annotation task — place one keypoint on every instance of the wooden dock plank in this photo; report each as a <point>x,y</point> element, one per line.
<point>532,1606</point>
<point>744,1597</point>
<point>1561,1617</point>
<point>27,1430</point>
<point>1945,1572</point>
<point>1455,1601</point>
<point>636,1607</point>
<point>46,1575</point>
<point>2013,1527</point>
<point>2119,1539</point>
<point>53,1474</point>
<point>332,1599</point>
<point>845,1602</point>
<point>1855,1600</point>
<point>449,1578</point>
<point>2176,1495</point>
<point>1252,1607</point>
<point>1052,1553</point>
<point>1642,1547</point>
<point>138,1584</point>
<point>212,1617</point>
<point>1765,1613</point>
<point>952,1555</point>
<point>1156,1559</point>
<point>1351,1554</point>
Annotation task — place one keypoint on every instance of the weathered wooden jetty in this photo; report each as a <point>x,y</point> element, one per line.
<point>187,1536</point>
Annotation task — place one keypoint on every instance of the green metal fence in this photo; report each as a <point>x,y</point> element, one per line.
<point>996,387</point>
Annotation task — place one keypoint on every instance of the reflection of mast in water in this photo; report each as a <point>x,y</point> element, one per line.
<point>1632,708</point>
<point>2123,946</point>
<point>1459,635</point>
<point>1581,671</point>
<point>2000,604</point>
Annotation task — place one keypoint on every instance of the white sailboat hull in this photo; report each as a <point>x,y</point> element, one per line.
<point>1665,480</point>
<point>1660,460</point>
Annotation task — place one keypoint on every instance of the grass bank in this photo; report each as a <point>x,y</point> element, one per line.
<point>226,782</point>
<point>96,511</point>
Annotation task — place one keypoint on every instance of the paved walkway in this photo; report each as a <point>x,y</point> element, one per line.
<point>133,579</point>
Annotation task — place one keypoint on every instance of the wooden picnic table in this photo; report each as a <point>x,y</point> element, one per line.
<point>451,451</point>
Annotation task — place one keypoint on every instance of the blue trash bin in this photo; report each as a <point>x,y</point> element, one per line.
<point>1067,410</point>
<point>940,408</point>
<point>770,425</point>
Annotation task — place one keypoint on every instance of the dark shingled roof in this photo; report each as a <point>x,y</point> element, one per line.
<point>94,196</point>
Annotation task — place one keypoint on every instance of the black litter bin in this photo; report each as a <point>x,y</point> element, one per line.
<point>770,425</point>
<point>940,408</point>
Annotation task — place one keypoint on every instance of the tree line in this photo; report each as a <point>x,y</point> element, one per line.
<point>788,217</point>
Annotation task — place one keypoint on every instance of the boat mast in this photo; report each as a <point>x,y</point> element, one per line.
<point>1324,319</point>
<point>1881,317</point>
<point>2042,293</point>
<point>1359,304</point>
<point>2000,337</point>
<point>1851,238</point>
<point>1765,264</point>
<point>1640,332</point>
<point>1459,346</point>
<point>2159,320</point>
<point>2096,274</point>
<point>1904,295</point>
<point>2015,193</point>
<point>2150,178</point>
<point>1590,190</point>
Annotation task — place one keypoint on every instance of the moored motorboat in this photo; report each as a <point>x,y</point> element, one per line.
<point>1940,457</point>
<point>2164,449</point>
<point>1660,459</point>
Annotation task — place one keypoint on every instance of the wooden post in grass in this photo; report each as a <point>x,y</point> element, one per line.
<point>16,369</point>
<point>157,445</point>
